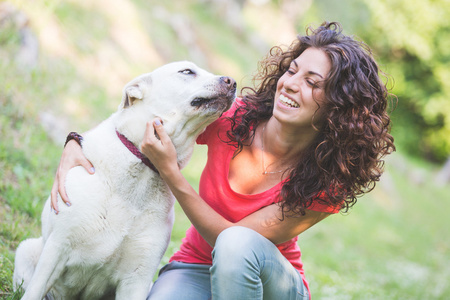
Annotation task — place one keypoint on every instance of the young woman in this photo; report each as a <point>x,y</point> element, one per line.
<point>302,145</point>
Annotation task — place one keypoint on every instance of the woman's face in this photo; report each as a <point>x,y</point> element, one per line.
<point>296,101</point>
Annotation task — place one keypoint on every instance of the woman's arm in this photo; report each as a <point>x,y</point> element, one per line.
<point>267,221</point>
<point>72,156</point>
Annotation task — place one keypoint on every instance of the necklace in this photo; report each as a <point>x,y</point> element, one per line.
<point>262,155</point>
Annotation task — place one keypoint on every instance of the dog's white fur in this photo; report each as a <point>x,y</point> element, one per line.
<point>110,241</point>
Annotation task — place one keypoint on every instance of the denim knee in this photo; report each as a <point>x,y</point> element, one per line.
<point>238,245</point>
<point>246,265</point>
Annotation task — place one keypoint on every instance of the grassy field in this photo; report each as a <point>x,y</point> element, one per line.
<point>394,244</point>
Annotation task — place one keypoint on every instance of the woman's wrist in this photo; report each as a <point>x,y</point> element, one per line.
<point>169,173</point>
<point>74,136</point>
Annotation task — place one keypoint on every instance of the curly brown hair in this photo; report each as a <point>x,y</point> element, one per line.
<point>345,159</point>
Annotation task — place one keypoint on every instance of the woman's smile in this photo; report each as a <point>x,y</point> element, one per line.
<point>287,102</point>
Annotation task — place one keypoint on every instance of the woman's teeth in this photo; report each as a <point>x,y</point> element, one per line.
<point>288,102</point>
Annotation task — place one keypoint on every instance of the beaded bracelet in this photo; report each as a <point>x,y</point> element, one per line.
<point>74,136</point>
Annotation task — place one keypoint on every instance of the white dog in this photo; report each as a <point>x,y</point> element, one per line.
<point>110,241</point>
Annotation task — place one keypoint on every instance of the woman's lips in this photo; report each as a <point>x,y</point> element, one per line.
<point>288,102</point>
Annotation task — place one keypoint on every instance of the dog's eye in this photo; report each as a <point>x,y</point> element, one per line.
<point>187,72</point>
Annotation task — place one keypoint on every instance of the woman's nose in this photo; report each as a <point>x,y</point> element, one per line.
<point>292,84</point>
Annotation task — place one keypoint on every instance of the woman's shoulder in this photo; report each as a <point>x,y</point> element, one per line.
<point>237,103</point>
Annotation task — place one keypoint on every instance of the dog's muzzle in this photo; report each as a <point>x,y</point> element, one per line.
<point>221,101</point>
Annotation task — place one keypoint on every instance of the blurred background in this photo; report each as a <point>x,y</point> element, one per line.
<point>63,65</point>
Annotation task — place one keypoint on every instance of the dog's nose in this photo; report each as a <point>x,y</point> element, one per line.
<point>228,81</point>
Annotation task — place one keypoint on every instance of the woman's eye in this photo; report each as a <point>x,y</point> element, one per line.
<point>310,82</point>
<point>187,72</point>
<point>291,72</point>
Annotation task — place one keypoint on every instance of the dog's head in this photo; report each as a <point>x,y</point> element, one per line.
<point>185,97</point>
<point>184,83</point>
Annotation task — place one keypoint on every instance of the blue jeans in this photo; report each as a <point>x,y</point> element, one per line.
<point>246,266</point>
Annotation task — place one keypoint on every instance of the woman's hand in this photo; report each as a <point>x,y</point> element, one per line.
<point>72,156</point>
<point>160,151</point>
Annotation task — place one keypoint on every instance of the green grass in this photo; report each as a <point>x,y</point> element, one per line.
<point>393,244</point>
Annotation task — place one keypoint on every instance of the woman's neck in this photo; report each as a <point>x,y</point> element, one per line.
<point>285,142</point>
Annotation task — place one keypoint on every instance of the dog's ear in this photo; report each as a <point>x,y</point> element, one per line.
<point>130,94</point>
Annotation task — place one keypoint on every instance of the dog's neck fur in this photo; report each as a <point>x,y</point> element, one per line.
<point>134,131</point>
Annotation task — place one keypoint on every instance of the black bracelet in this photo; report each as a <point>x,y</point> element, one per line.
<point>74,136</point>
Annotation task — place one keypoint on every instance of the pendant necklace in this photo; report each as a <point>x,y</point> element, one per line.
<point>262,155</point>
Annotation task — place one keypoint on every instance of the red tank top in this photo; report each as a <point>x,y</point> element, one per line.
<point>215,189</point>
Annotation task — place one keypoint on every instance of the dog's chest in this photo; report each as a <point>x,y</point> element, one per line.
<point>123,200</point>
<point>119,217</point>
<point>120,169</point>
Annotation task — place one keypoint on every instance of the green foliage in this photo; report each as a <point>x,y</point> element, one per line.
<point>412,39</point>
<point>411,42</point>
<point>20,137</point>
<point>71,14</point>
<point>24,180</point>
<point>13,228</point>
<point>9,38</point>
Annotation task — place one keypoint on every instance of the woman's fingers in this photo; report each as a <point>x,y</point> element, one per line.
<point>162,134</point>
<point>158,147</point>
<point>149,136</point>
<point>54,196</point>
<point>88,166</point>
<point>72,156</point>
<point>58,188</point>
<point>62,187</point>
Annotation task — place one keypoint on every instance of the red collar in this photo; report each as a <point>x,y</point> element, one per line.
<point>133,149</point>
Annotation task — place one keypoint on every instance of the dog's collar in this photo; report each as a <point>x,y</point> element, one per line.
<point>133,149</point>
